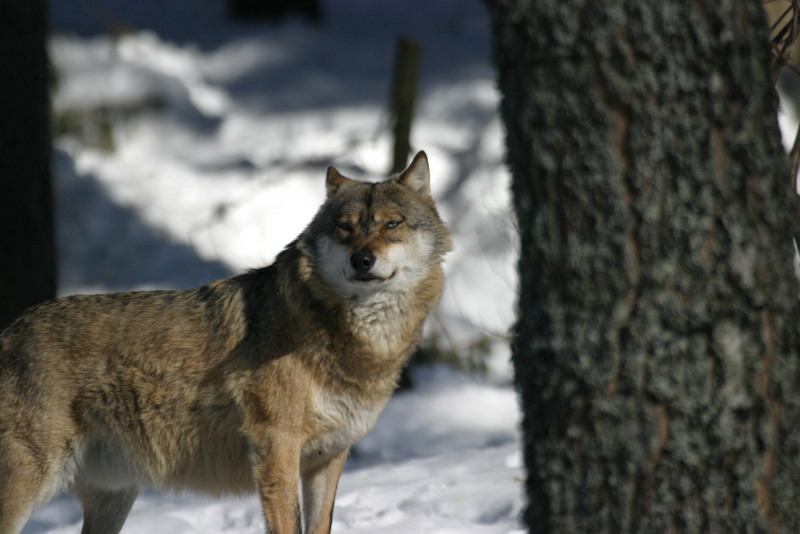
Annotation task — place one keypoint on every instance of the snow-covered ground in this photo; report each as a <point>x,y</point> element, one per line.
<point>203,152</point>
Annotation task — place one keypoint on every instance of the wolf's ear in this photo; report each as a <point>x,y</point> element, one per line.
<point>417,176</point>
<point>333,180</point>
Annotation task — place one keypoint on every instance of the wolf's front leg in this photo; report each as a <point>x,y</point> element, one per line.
<point>278,480</point>
<point>319,490</point>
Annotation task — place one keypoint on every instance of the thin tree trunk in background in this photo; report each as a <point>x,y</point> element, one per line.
<point>656,350</point>
<point>27,248</point>
<point>403,100</point>
<point>275,9</point>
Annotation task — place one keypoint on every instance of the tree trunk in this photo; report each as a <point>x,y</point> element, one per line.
<point>275,9</point>
<point>403,99</point>
<point>27,249</point>
<point>656,349</point>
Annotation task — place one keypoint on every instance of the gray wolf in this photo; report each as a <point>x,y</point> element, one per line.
<point>261,382</point>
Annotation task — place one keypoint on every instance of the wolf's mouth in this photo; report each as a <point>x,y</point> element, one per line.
<point>370,279</point>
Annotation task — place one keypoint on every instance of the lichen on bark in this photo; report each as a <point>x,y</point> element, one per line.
<point>656,349</point>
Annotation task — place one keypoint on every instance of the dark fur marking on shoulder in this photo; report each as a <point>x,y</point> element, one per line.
<point>206,294</point>
<point>257,287</point>
<point>253,286</point>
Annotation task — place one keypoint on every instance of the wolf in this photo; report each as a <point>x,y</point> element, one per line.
<point>257,383</point>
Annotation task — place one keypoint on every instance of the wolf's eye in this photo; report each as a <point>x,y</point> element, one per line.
<point>391,224</point>
<point>345,227</point>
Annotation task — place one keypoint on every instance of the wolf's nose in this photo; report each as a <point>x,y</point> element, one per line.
<point>362,261</point>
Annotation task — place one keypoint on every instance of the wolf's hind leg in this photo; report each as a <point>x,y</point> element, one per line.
<point>27,480</point>
<point>104,511</point>
<point>16,501</point>
<point>14,511</point>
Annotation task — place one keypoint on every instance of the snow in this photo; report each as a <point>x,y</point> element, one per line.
<point>220,134</point>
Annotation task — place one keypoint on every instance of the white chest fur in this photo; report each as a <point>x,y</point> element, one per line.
<point>380,320</point>
<point>340,420</point>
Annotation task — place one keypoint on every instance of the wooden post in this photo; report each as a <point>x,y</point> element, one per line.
<point>403,97</point>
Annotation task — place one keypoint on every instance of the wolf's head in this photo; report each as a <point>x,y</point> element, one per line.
<point>374,237</point>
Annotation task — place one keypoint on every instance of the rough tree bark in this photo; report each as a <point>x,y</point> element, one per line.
<point>657,345</point>
<point>27,248</point>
